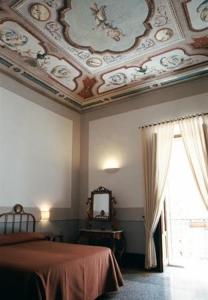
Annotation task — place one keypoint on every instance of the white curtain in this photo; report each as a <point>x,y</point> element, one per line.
<point>194,132</point>
<point>157,144</point>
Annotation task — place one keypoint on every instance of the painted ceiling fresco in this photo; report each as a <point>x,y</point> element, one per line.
<point>86,53</point>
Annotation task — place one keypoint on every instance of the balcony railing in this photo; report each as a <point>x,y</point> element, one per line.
<point>189,239</point>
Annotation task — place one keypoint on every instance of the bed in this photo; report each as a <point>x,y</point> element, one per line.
<point>32,267</point>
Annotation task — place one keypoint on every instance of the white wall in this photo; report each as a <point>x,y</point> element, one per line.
<point>35,154</point>
<point>117,137</point>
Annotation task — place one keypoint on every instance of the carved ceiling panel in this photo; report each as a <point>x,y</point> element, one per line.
<point>88,53</point>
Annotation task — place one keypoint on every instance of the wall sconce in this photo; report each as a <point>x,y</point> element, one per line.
<point>45,215</point>
<point>111,170</point>
<point>111,166</point>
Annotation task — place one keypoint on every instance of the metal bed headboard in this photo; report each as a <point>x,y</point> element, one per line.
<point>17,220</point>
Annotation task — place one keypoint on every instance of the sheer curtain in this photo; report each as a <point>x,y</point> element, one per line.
<point>194,132</point>
<point>157,144</point>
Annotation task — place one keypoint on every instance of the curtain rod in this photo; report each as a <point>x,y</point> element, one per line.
<point>173,120</point>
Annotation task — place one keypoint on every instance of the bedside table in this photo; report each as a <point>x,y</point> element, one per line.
<point>113,239</point>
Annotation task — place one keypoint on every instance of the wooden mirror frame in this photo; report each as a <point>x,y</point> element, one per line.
<point>90,204</point>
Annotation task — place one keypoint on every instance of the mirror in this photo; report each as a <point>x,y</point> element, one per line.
<point>100,206</point>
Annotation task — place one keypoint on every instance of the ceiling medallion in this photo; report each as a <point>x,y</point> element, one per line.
<point>61,71</point>
<point>103,25</point>
<point>94,62</point>
<point>164,34</point>
<point>39,12</point>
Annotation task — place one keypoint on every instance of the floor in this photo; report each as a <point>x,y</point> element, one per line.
<point>174,284</point>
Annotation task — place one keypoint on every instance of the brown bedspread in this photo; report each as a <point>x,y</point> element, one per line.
<point>44,270</point>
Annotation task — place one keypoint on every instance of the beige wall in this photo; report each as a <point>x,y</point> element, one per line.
<point>39,153</point>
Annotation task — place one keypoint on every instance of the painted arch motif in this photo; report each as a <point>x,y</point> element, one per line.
<point>156,65</point>
<point>197,11</point>
<point>18,39</point>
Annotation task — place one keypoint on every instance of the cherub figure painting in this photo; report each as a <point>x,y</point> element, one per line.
<point>102,22</point>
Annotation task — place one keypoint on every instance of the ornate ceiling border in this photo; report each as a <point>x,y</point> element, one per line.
<point>46,53</point>
<point>40,86</point>
<point>147,78</point>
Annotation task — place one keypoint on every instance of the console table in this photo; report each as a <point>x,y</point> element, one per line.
<point>113,239</point>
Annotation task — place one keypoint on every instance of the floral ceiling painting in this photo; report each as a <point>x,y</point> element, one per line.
<point>87,53</point>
